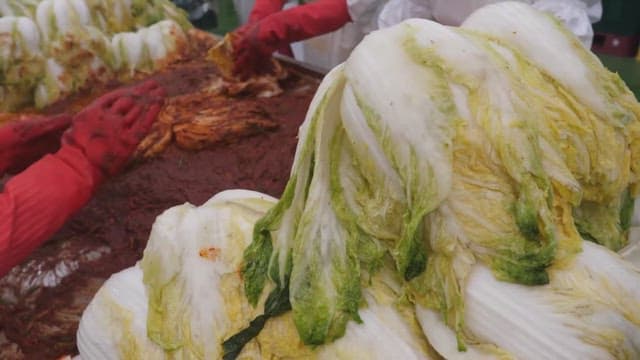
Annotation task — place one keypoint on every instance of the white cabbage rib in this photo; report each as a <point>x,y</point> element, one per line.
<point>546,43</point>
<point>20,31</point>
<point>58,17</point>
<point>148,48</point>
<point>384,334</point>
<point>415,98</point>
<point>285,229</point>
<point>18,7</point>
<point>117,316</point>
<point>588,311</point>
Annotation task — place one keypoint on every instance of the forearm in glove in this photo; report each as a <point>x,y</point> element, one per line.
<point>37,202</point>
<point>24,141</point>
<point>254,43</point>
<point>110,129</point>
<point>264,8</point>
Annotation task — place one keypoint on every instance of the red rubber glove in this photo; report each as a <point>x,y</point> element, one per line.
<point>254,43</point>
<point>38,201</point>
<point>263,8</point>
<point>109,130</point>
<point>24,141</point>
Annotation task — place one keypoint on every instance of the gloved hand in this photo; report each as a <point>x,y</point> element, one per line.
<point>263,8</point>
<point>109,130</point>
<point>26,140</point>
<point>39,200</point>
<point>254,43</point>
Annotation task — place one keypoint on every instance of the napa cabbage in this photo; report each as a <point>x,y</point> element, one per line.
<point>455,192</point>
<point>473,152</point>
<point>149,48</point>
<point>186,296</point>
<point>54,48</point>
<point>21,61</point>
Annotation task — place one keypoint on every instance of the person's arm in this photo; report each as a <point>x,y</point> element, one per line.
<point>37,202</point>
<point>254,43</point>
<point>263,8</point>
<point>26,140</point>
